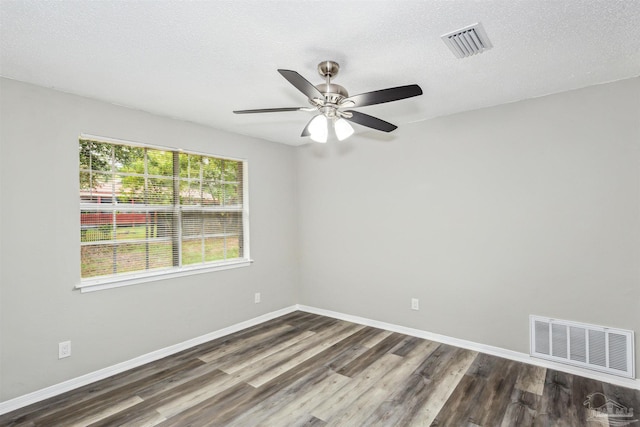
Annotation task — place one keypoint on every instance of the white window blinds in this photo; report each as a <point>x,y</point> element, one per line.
<point>147,210</point>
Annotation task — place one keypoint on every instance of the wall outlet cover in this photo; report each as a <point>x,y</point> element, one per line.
<point>64,349</point>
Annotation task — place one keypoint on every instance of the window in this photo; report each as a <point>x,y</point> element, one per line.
<point>147,211</point>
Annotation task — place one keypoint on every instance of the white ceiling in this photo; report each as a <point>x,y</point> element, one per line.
<point>200,60</point>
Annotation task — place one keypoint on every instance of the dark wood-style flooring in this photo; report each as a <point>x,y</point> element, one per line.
<point>303,369</point>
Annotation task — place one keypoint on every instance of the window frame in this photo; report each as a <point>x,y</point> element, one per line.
<point>144,276</point>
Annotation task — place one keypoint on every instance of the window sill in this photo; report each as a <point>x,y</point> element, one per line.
<point>92,285</point>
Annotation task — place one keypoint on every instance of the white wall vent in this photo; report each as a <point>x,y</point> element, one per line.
<point>467,41</point>
<point>588,346</point>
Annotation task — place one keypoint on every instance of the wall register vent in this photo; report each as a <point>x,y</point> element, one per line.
<point>593,347</point>
<point>467,41</point>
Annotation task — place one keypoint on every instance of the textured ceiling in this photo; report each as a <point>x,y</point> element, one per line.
<point>200,60</point>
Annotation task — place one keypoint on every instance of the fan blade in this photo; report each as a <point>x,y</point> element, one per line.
<point>301,84</point>
<point>270,110</point>
<point>385,95</point>
<point>370,121</point>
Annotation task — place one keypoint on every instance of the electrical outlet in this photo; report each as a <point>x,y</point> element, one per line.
<point>64,349</point>
<point>415,304</point>
<point>256,297</point>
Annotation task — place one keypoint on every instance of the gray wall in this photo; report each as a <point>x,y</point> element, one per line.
<point>40,235</point>
<point>486,217</point>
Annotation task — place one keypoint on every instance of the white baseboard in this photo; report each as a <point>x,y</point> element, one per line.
<point>482,348</point>
<point>63,387</point>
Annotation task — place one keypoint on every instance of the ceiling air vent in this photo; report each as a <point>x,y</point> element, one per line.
<point>467,41</point>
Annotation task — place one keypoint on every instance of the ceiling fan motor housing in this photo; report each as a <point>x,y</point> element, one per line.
<point>332,92</point>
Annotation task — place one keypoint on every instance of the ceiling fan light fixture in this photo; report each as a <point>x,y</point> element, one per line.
<point>319,128</point>
<point>343,129</point>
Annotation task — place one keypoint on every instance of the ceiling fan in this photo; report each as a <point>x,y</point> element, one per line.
<point>333,103</point>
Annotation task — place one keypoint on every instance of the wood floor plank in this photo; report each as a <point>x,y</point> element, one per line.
<point>456,409</point>
<point>212,411</point>
<point>375,339</point>
<point>556,408</point>
<point>420,398</point>
<point>178,378</point>
<point>496,396</point>
<point>394,379</point>
<point>90,417</point>
<point>320,323</point>
<point>310,321</point>
<point>483,366</point>
<point>344,352</point>
<point>259,352</point>
<point>188,354</point>
<point>531,379</point>
<point>522,410</point>
<point>626,397</point>
<point>297,317</point>
<point>368,357</point>
<point>96,403</point>
<point>368,402</point>
<point>269,406</point>
<point>340,354</point>
<point>442,384</point>
<point>356,349</point>
<point>359,409</point>
<point>171,397</point>
<point>230,347</point>
<point>221,414</point>
<point>221,411</point>
<point>264,364</point>
<point>347,356</point>
<point>204,392</point>
<point>359,384</point>
<point>299,409</point>
<point>284,362</point>
<point>407,344</point>
<point>244,334</point>
<point>130,418</point>
<point>312,422</point>
<point>89,414</point>
<point>581,388</point>
<point>67,401</point>
<point>490,391</point>
<point>332,358</point>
